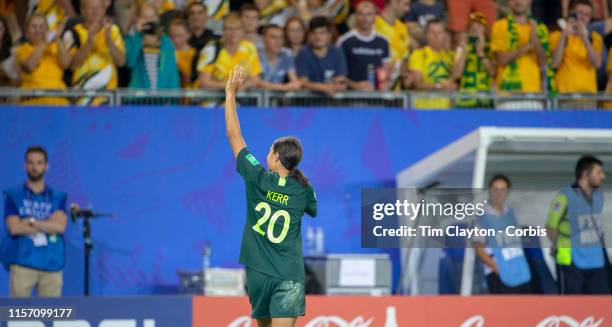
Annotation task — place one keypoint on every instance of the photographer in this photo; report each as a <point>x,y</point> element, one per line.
<point>577,52</point>
<point>150,54</point>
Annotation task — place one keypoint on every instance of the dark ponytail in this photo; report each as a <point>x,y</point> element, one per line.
<point>289,152</point>
<point>299,176</point>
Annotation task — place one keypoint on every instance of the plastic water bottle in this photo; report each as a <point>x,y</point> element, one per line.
<point>372,75</point>
<point>205,264</point>
<point>320,241</point>
<point>310,241</point>
<point>391,320</point>
<point>206,256</point>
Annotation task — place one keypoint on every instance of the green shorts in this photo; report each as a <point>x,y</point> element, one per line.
<point>274,298</point>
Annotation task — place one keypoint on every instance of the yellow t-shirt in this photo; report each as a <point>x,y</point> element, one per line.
<point>529,69</point>
<point>98,69</point>
<point>396,35</point>
<point>576,72</point>
<point>47,75</point>
<point>184,58</point>
<point>221,64</point>
<point>435,67</point>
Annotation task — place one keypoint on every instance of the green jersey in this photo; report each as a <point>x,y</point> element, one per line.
<point>272,238</point>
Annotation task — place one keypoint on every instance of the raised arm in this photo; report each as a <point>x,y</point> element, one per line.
<point>232,124</point>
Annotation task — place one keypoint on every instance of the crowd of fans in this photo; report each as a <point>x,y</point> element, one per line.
<point>324,46</point>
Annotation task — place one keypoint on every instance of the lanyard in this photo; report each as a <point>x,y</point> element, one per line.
<point>29,192</point>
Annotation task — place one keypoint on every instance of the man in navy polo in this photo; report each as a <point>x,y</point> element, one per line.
<point>320,65</point>
<point>366,52</point>
<point>35,218</point>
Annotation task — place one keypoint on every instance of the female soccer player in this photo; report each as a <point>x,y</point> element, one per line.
<point>276,201</point>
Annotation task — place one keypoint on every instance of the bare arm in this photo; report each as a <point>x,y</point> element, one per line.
<point>16,226</point>
<point>82,53</point>
<point>504,58</point>
<point>553,235</point>
<point>317,87</point>
<point>540,54</point>
<point>459,64</point>
<point>565,8</point>
<point>62,52</point>
<point>117,54</point>
<point>559,51</point>
<point>421,85</point>
<point>537,44</point>
<point>594,56</point>
<point>360,85</point>
<point>490,65</point>
<point>232,124</point>
<point>609,83</point>
<point>484,257</point>
<point>32,61</point>
<point>55,224</point>
<point>293,84</point>
<point>207,82</point>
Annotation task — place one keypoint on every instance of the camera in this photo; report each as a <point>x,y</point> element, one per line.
<point>150,28</point>
<point>573,15</point>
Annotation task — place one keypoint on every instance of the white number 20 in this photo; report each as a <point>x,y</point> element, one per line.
<point>266,215</point>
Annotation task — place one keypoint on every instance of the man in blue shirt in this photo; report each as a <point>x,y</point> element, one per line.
<point>367,53</point>
<point>277,63</point>
<point>35,218</point>
<point>320,65</point>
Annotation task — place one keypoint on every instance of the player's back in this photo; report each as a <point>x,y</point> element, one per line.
<point>271,241</point>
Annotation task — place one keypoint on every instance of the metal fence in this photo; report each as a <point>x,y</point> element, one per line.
<point>349,99</point>
<point>46,97</point>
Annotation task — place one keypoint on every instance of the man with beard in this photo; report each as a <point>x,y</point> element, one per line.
<point>574,226</point>
<point>35,218</point>
<point>522,52</point>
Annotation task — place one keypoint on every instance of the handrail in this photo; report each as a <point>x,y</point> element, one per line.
<point>259,98</point>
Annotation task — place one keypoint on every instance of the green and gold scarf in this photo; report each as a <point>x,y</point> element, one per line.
<point>511,78</point>
<point>475,78</point>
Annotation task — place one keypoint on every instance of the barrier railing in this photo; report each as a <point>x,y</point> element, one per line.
<point>479,100</point>
<point>583,101</point>
<point>341,99</point>
<point>204,98</point>
<point>49,97</point>
<point>396,100</point>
